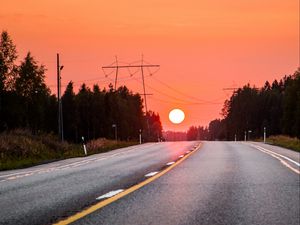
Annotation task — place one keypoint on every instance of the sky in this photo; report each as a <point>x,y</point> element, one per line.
<point>202,46</point>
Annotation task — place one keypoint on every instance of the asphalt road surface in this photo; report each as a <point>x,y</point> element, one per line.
<point>221,183</point>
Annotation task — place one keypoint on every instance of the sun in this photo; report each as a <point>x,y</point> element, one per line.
<point>176,116</point>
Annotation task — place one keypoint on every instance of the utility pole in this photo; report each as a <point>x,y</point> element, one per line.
<point>60,115</point>
<point>58,94</point>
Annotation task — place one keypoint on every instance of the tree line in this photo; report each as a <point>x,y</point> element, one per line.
<point>26,102</point>
<point>274,107</point>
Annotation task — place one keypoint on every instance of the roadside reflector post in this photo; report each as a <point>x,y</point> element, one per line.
<point>140,136</point>
<point>84,146</point>
<point>264,134</point>
<point>249,133</point>
<point>116,131</point>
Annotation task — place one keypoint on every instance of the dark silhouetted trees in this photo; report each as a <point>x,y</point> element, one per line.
<point>26,102</point>
<point>33,93</point>
<point>197,133</point>
<point>291,105</point>
<point>275,106</point>
<point>153,132</point>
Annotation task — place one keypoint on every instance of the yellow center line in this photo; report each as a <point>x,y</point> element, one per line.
<point>108,201</point>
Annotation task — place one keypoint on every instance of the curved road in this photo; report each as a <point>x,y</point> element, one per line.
<point>221,183</point>
<point>47,193</point>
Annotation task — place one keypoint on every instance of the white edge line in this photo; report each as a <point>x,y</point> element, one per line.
<point>110,194</point>
<point>282,156</point>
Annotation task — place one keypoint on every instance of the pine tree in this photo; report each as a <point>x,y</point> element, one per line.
<point>8,72</point>
<point>8,55</point>
<point>70,113</point>
<point>31,87</point>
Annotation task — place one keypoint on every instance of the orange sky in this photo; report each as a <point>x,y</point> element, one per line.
<point>201,45</point>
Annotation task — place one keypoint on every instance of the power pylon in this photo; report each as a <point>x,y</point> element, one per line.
<point>142,65</point>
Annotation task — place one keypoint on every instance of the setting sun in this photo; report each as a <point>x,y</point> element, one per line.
<point>176,116</point>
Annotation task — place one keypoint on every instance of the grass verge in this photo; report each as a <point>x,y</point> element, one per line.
<point>285,141</point>
<point>20,149</point>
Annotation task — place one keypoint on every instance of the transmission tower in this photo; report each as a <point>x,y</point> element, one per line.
<point>142,66</point>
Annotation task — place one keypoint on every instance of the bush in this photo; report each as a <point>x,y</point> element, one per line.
<point>19,148</point>
<point>285,141</point>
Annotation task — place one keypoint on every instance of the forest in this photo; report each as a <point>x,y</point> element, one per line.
<point>274,107</point>
<point>27,103</point>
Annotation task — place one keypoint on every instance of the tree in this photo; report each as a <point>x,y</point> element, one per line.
<point>291,106</point>
<point>155,128</point>
<point>8,55</point>
<point>84,113</point>
<point>98,112</point>
<point>217,130</point>
<point>192,133</point>
<point>8,69</point>
<point>69,113</point>
<point>30,86</point>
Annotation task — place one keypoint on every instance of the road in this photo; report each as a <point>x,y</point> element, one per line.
<point>46,193</point>
<point>221,183</point>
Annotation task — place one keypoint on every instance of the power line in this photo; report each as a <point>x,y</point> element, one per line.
<point>184,94</point>
<point>180,100</point>
<point>185,103</point>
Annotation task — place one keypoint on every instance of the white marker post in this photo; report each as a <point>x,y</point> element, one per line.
<point>249,133</point>
<point>140,136</point>
<point>264,134</point>
<point>235,137</point>
<point>245,135</point>
<point>116,131</point>
<point>84,147</point>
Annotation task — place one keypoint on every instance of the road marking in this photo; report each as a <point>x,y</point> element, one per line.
<point>100,159</point>
<point>12,174</point>
<point>170,163</point>
<point>69,165</point>
<point>151,174</point>
<point>110,194</point>
<point>108,201</point>
<point>282,156</point>
<point>279,157</point>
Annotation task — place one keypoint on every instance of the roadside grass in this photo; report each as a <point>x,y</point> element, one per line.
<point>20,149</point>
<point>285,141</point>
